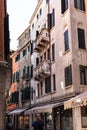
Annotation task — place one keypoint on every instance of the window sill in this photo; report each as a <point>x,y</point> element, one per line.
<point>66,52</point>
<point>53,92</point>
<point>53,61</point>
<point>83,85</point>
<point>82,49</point>
<point>67,87</point>
<point>79,10</point>
<point>63,14</point>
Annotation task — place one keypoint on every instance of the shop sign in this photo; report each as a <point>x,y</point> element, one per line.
<point>77,103</point>
<point>11,106</point>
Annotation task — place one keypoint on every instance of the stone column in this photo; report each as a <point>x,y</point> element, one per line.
<point>77,118</point>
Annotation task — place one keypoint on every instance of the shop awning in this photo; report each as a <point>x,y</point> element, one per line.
<point>80,100</point>
<point>42,109</point>
<point>17,111</point>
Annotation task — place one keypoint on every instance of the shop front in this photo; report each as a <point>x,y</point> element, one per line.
<point>78,106</point>
<point>62,118</point>
<point>46,115</point>
<point>20,121</point>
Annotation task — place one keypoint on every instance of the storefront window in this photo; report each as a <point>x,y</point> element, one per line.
<point>48,117</point>
<point>26,121</point>
<point>84,117</point>
<point>20,122</point>
<point>66,119</point>
<point>63,119</point>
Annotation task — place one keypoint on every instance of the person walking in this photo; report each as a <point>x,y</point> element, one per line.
<point>9,125</point>
<point>38,124</point>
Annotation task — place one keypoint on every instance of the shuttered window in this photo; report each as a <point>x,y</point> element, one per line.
<point>53,52</point>
<point>37,61</point>
<point>31,71</point>
<point>54,83</point>
<point>51,19</point>
<point>79,4</point>
<point>48,54</point>
<point>24,52</point>
<point>81,38</point>
<point>83,75</point>
<point>64,5</point>
<point>32,47</point>
<point>15,97</point>
<point>47,85</point>
<point>68,75</point>
<point>25,94</point>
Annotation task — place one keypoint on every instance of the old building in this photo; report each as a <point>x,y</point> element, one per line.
<point>4,52</point>
<point>19,97</point>
<point>58,63</point>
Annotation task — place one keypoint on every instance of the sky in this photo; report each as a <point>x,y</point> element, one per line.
<point>20,12</point>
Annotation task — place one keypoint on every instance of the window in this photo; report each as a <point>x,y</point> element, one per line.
<point>24,70</point>
<point>64,5</point>
<point>17,76</point>
<point>47,85</point>
<point>33,26</point>
<point>41,85</point>
<point>28,71</point>
<point>68,75</point>
<point>83,75</point>
<point>66,40</point>
<point>48,54</point>
<point>37,61</point>
<point>37,34</point>
<point>84,116</point>
<point>79,4</point>
<point>31,48</point>
<point>41,58</point>
<point>37,16</point>
<point>53,18</point>
<point>24,52</point>
<point>14,77</point>
<point>40,11</point>
<point>54,83</point>
<point>15,97</point>
<point>17,58</point>
<point>28,48</point>
<point>53,52</point>
<point>81,38</point>
<point>38,90</point>
<point>32,93</point>
<point>25,93</point>
<point>32,71</point>
<point>45,56</point>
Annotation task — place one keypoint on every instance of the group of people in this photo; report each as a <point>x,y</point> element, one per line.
<point>38,124</point>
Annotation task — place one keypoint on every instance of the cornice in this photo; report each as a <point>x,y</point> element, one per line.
<point>35,11</point>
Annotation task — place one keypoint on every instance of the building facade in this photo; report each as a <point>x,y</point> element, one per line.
<point>58,62</point>
<point>4,52</point>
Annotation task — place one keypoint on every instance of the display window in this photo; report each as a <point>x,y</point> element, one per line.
<point>84,116</point>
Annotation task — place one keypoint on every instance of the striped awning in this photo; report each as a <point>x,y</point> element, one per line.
<point>78,101</point>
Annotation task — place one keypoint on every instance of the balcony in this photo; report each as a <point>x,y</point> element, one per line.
<point>26,77</point>
<point>42,40</point>
<point>42,71</point>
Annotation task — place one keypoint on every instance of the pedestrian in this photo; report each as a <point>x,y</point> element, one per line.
<point>9,125</point>
<point>38,124</point>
